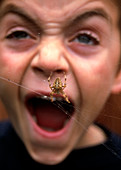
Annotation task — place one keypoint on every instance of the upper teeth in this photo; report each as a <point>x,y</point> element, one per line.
<point>48,98</point>
<point>44,97</point>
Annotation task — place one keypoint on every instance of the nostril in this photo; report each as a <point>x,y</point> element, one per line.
<point>59,71</point>
<point>38,70</point>
<point>47,72</point>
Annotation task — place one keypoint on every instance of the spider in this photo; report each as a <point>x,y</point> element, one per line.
<point>57,88</point>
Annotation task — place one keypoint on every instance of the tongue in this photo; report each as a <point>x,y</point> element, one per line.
<point>50,117</point>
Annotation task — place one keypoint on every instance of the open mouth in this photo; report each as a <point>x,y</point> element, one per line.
<point>49,116</point>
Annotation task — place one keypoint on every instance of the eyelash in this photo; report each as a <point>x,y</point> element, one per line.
<point>86,38</point>
<point>18,35</point>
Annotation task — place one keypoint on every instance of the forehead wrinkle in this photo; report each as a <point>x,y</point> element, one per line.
<point>40,21</point>
<point>58,10</point>
<point>55,17</point>
<point>56,4</point>
<point>19,11</point>
<point>41,16</point>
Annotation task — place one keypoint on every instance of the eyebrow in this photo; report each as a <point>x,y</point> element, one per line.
<point>91,13</point>
<point>11,8</point>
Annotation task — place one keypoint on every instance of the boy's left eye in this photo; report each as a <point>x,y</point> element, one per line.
<point>87,39</point>
<point>18,35</point>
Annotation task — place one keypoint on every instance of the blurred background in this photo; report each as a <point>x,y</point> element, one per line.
<point>110,115</point>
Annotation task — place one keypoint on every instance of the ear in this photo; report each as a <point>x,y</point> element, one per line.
<point>116,88</point>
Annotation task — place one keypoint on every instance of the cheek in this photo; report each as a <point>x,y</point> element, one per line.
<point>94,76</point>
<point>12,70</point>
<point>12,66</point>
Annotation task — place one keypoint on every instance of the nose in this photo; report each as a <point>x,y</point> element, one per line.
<point>50,57</point>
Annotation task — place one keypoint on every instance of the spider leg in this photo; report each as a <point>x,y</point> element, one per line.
<point>49,82</point>
<point>65,96</point>
<point>51,96</point>
<point>64,85</point>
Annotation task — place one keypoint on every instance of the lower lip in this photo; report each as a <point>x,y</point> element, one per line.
<point>47,134</point>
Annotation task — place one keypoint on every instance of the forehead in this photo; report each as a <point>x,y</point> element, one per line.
<point>46,3</point>
<point>58,9</point>
<point>55,4</point>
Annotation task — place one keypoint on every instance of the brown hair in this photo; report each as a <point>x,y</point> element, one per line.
<point>118,4</point>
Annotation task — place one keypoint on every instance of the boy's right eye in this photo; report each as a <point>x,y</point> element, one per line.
<point>18,35</point>
<point>20,39</point>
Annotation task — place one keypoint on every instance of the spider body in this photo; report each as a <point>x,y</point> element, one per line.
<point>57,88</point>
<point>57,85</point>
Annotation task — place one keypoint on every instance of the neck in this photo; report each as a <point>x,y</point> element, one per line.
<point>93,136</point>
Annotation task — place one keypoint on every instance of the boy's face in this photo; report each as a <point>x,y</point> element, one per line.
<point>76,38</point>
